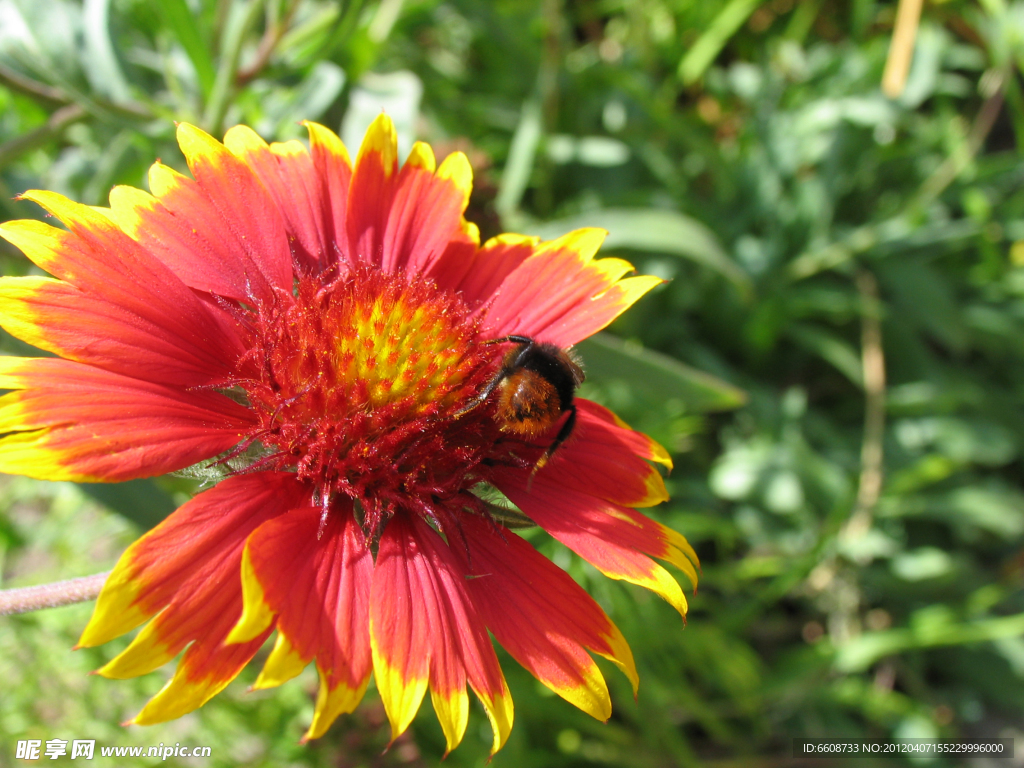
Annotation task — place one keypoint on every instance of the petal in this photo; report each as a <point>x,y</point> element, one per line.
<point>288,173</point>
<point>400,626</point>
<point>68,421</point>
<point>204,671</point>
<point>282,665</point>
<point>455,265</point>
<point>613,538</point>
<point>333,699</point>
<point>372,192</point>
<point>561,294</point>
<point>112,288</point>
<point>182,549</point>
<point>181,227</point>
<point>334,169</point>
<point>638,442</point>
<point>319,589</point>
<point>541,616</point>
<point>601,459</point>
<point>247,211</point>
<point>481,665</point>
<point>186,572</point>
<point>404,220</point>
<point>427,210</point>
<point>60,318</point>
<point>478,276</point>
<point>424,629</point>
<point>257,614</point>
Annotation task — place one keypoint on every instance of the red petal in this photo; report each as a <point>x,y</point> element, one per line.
<point>427,210</point>
<point>287,172</point>
<point>204,671</point>
<point>372,192</point>
<point>221,233</point>
<point>181,227</point>
<point>319,588</point>
<point>62,319</point>
<point>456,262</point>
<point>334,168</point>
<point>615,539</point>
<point>189,566</point>
<point>561,294</point>
<point>601,459</point>
<point>113,287</point>
<point>193,556</point>
<point>424,626</point>
<point>74,422</point>
<point>638,442</point>
<point>478,276</point>
<point>248,214</point>
<point>541,616</point>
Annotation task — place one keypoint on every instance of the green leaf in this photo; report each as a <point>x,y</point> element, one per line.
<point>142,501</point>
<point>41,39</point>
<point>830,348</point>
<point>928,629</point>
<point>103,70</point>
<point>307,101</point>
<point>710,44</point>
<point>922,296</point>
<point>182,22</point>
<point>655,231</point>
<point>521,154</point>
<point>302,42</point>
<point>656,377</point>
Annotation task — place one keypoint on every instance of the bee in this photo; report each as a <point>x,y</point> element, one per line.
<point>535,384</point>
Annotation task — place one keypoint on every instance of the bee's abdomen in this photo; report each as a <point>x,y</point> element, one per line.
<point>528,404</point>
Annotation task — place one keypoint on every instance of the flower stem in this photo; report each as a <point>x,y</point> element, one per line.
<point>13,149</point>
<point>25,599</point>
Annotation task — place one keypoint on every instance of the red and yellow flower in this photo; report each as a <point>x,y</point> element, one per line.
<point>317,327</point>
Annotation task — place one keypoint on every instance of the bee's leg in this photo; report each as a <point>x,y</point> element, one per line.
<point>484,393</point>
<point>561,437</point>
<point>526,346</point>
<point>513,337</point>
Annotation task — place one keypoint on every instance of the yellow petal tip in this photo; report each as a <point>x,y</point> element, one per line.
<point>382,139</point>
<point>256,614</point>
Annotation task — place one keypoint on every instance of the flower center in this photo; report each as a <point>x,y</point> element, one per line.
<point>356,384</point>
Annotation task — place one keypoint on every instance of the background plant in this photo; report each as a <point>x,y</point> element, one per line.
<point>836,362</point>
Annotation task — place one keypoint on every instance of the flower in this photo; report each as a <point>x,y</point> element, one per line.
<point>314,330</point>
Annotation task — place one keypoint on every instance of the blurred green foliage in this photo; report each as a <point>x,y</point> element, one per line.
<point>862,538</point>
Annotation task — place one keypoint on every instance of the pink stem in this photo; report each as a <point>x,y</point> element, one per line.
<point>58,593</point>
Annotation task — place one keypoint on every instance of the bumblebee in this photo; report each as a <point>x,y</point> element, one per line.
<point>535,384</point>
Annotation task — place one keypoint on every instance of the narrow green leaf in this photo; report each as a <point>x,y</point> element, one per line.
<point>920,295</point>
<point>59,120</point>
<point>103,71</point>
<point>863,651</point>
<point>521,154</point>
<point>182,22</point>
<point>242,16</point>
<point>304,41</point>
<point>831,349</point>
<point>656,377</point>
<point>710,44</point>
<point>309,100</point>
